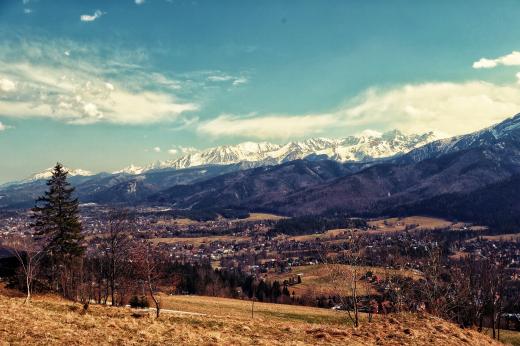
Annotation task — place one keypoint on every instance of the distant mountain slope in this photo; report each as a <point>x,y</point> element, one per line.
<point>381,186</point>
<point>111,188</point>
<point>508,131</point>
<point>497,205</point>
<point>252,187</point>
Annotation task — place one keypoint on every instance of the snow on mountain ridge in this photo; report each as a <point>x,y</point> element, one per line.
<point>46,174</point>
<point>367,146</point>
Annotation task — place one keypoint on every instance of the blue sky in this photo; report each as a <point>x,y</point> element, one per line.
<point>102,84</point>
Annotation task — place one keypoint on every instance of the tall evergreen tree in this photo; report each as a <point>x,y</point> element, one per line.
<point>56,218</point>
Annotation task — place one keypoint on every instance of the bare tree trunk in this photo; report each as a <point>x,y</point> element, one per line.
<point>156,302</point>
<point>28,297</point>
<point>354,296</point>
<point>493,322</point>
<point>498,326</point>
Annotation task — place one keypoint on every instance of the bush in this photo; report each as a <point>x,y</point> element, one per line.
<point>138,302</point>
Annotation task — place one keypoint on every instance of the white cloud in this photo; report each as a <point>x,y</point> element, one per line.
<point>91,17</point>
<point>220,78</point>
<point>2,127</point>
<point>7,85</point>
<point>27,10</point>
<point>443,107</point>
<point>188,150</point>
<point>82,90</point>
<point>157,149</point>
<point>451,108</point>
<point>139,2</point>
<point>234,80</point>
<point>270,126</point>
<point>239,81</point>
<point>512,59</point>
<point>370,133</point>
<point>179,149</point>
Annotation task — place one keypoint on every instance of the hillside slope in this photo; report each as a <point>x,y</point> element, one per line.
<point>52,321</point>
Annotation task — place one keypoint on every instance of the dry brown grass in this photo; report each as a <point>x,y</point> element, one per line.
<point>399,224</point>
<point>53,321</point>
<point>177,222</point>
<point>330,234</point>
<point>261,216</point>
<point>510,237</point>
<point>316,279</point>
<point>197,241</point>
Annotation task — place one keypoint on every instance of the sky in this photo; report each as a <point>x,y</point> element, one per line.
<point>101,84</point>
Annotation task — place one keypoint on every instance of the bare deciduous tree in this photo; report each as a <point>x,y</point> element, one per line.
<point>345,274</point>
<point>147,262</point>
<point>28,252</point>
<point>117,245</point>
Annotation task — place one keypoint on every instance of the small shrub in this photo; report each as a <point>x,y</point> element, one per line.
<point>138,302</point>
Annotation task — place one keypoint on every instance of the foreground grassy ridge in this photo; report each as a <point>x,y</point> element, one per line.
<point>52,321</point>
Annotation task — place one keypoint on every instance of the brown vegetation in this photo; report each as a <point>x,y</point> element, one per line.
<point>54,321</point>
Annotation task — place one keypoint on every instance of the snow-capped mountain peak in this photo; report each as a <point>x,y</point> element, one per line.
<point>46,174</point>
<point>368,145</point>
<point>132,169</point>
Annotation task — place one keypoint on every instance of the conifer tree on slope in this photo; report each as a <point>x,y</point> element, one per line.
<point>56,219</point>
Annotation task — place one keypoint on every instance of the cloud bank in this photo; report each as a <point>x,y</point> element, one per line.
<point>72,88</point>
<point>512,59</point>
<point>270,126</point>
<point>445,107</point>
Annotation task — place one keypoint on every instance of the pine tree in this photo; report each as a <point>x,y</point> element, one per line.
<point>56,218</point>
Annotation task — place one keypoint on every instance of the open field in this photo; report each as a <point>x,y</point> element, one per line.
<point>319,279</point>
<point>501,237</point>
<point>178,222</point>
<point>330,234</point>
<point>399,224</point>
<point>261,216</point>
<point>225,307</point>
<point>416,223</point>
<point>197,241</point>
<point>389,225</point>
<point>54,321</point>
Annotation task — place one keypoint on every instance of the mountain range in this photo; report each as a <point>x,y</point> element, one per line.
<point>133,183</point>
<point>365,147</point>
<point>465,170</point>
<point>371,174</point>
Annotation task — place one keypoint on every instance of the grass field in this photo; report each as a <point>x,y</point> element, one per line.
<point>224,307</point>
<point>399,224</point>
<point>508,337</point>
<point>510,237</point>
<point>54,321</point>
<point>317,279</point>
<point>197,241</point>
<point>330,234</point>
<point>262,216</point>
